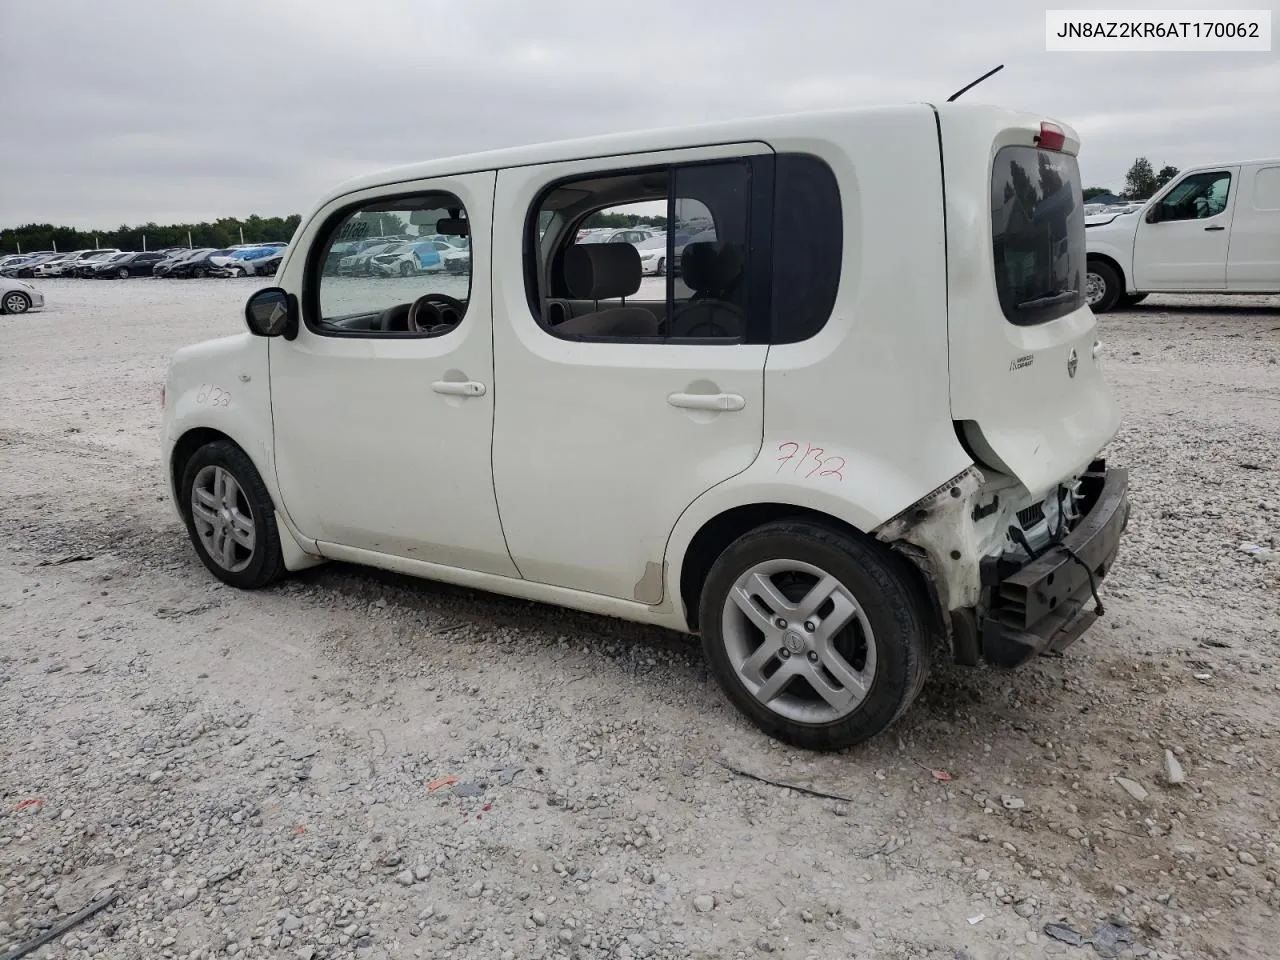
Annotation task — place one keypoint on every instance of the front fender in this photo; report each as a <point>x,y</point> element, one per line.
<point>1117,248</point>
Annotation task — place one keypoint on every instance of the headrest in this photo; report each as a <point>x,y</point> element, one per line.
<point>601,271</point>
<point>711,267</point>
<point>453,227</point>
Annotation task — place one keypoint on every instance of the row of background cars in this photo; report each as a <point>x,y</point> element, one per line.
<point>245,259</point>
<point>380,256</point>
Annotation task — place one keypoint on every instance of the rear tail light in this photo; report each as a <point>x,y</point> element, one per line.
<point>1051,136</point>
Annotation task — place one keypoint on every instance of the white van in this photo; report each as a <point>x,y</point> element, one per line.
<point>1213,229</point>
<point>857,429</point>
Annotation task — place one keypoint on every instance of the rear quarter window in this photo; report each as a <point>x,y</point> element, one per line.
<point>1037,234</point>
<point>1266,189</point>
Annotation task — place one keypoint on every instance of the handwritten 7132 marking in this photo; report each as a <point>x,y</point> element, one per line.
<point>813,460</point>
<point>213,395</point>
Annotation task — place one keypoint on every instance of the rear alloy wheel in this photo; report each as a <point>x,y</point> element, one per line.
<point>1102,286</point>
<point>817,636</point>
<point>230,517</point>
<point>122,273</point>
<point>15,301</point>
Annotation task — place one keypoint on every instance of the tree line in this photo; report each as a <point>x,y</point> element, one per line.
<point>220,233</point>
<point>1140,183</point>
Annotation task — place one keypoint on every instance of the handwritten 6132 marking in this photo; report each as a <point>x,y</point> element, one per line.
<point>813,460</point>
<point>213,395</point>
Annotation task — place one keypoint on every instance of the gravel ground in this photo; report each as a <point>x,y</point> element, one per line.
<point>251,774</point>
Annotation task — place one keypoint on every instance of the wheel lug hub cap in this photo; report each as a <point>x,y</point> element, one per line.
<point>793,642</point>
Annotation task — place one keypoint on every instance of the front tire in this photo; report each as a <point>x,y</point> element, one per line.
<point>662,267</point>
<point>820,638</point>
<point>15,301</point>
<point>406,270</point>
<point>199,273</point>
<point>122,273</point>
<point>230,517</point>
<point>1103,286</point>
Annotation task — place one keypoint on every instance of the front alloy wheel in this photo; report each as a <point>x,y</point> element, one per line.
<point>15,301</point>
<point>230,516</point>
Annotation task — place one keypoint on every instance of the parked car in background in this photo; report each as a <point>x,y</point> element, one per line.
<point>1212,229</point>
<point>125,265</point>
<point>629,235</point>
<point>66,264</point>
<point>238,263</point>
<point>18,296</point>
<point>26,269</point>
<point>88,267</point>
<point>653,256</point>
<point>50,267</point>
<point>357,263</point>
<point>409,259</point>
<point>199,265</point>
<point>267,266</point>
<point>163,268</point>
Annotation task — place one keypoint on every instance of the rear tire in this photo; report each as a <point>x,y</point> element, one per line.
<point>232,524</point>
<point>1103,286</point>
<point>819,637</point>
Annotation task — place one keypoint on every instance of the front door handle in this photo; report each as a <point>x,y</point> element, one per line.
<point>707,401</point>
<point>459,388</point>
<point>1208,229</point>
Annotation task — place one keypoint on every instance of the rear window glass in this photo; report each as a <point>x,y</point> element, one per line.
<point>1037,230</point>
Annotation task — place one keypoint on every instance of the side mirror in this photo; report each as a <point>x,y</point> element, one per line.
<point>272,313</point>
<point>1153,215</point>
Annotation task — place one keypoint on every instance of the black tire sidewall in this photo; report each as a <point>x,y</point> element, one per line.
<point>1112,286</point>
<point>267,563</point>
<point>893,609</point>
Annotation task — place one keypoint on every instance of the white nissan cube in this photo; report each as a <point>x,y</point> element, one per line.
<point>858,429</point>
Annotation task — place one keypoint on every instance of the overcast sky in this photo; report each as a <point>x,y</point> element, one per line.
<point>172,111</point>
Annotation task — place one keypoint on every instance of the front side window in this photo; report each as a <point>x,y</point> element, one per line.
<point>1037,231</point>
<point>418,286</point>
<point>1197,197</point>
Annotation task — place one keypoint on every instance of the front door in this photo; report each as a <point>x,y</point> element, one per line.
<point>1186,248</point>
<point>604,435</point>
<point>383,404</point>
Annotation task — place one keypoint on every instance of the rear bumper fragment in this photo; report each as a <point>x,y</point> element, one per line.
<point>1046,605</point>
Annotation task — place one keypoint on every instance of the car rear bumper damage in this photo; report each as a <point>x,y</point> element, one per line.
<point>1046,604</point>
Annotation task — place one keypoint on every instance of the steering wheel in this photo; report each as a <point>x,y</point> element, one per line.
<point>433,310</point>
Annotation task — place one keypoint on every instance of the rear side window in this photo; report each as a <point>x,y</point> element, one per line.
<point>1266,189</point>
<point>1037,232</point>
<point>808,235</point>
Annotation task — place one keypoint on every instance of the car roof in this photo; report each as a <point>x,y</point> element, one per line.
<point>657,139</point>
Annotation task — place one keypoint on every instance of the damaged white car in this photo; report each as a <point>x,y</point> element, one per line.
<point>858,430</point>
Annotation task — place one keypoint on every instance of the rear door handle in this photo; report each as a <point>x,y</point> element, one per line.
<point>1208,229</point>
<point>707,401</point>
<point>459,388</point>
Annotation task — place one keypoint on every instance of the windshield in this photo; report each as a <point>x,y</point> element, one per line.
<point>1037,230</point>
